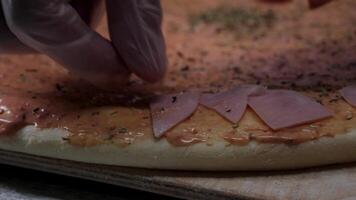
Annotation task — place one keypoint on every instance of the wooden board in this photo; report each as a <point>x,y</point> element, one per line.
<point>333,182</point>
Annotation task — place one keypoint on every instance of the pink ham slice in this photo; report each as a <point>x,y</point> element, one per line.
<point>169,110</point>
<point>283,108</point>
<point>232,103</point>
<point>349,94</point>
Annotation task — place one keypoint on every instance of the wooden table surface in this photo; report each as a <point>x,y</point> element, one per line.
<point>333,182</point>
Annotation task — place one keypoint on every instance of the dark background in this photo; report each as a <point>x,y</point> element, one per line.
<point>23,184</point>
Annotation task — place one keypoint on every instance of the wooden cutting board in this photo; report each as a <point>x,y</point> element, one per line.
<point>333,182</point>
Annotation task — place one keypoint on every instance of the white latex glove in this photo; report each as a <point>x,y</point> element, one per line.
<point>60,29</point>
<point>318,3</point>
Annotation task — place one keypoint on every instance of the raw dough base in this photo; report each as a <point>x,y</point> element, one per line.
<point>161,155</point>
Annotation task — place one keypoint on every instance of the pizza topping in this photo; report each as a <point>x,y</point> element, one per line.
<point>167,113</point>
<point>231,104</point>
<point>284,108</point>
<point>10,121</point>
<point>234,137</point>
<point>186,137</point>
<point>349,94</point>
<point>289,136</point>
<point>349,115</point>
<point>13,113</point>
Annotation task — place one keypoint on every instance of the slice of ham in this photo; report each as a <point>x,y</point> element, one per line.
<point>284,108</point>
<point>349,94</point>
<point>169,110</point>
<point>232,103</point>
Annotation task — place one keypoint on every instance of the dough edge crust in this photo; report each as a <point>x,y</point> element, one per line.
<point>161,155</point>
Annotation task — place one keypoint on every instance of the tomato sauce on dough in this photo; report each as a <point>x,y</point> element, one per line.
<point>315,60</point>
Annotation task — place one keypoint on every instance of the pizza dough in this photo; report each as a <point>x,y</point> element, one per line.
<point>207,60</point>
<point>162,155</point>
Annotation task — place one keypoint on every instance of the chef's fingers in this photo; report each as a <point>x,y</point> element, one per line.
<point>91,11</point>
<point>54,28</point>
<point>135,29</point>
<point>318,3</point>
<point>313,4</point>
<point>9,43</point>
<point>276,1</point>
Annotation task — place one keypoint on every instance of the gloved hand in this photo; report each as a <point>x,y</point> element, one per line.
<point>317,3</point>
<point>59,28</point>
